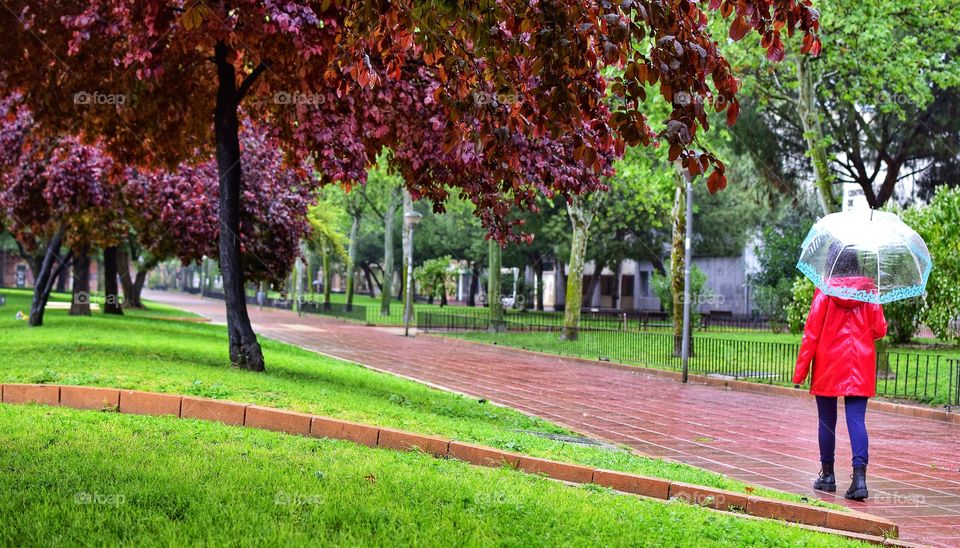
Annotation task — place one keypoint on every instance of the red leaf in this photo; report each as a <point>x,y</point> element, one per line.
<point>738,29</point>
<point>716,182</point>
<point>775,51</point>
<point>733,112</point>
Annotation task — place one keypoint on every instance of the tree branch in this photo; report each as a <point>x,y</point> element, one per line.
<point>250,79</point>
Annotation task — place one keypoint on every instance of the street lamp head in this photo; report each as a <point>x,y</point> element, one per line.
<point>412,218</point>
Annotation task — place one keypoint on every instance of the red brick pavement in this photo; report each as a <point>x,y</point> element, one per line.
<point>914,473</point>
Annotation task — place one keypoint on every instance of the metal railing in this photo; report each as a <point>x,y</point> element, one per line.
<point>355,312</point>
<point>924,377</point>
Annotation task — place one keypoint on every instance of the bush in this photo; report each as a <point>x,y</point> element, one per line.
<point>662,288</point>
<point>799,306</point>
<point>772,302</point>
<point>939,225</point>
<point>903,318</point>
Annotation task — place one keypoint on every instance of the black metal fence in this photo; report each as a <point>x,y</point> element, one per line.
<point>355,312</point>
<point>926,377</point>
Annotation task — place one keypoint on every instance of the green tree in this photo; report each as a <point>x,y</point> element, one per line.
<point>938,223</point>
<point>326,238</point>
<point>876,107</point>
<point>433,276</point>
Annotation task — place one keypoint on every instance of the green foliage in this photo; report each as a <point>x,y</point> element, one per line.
<point>772,301</point>
<point>802,295</point>
<point>326,220</point>
<point>939,225</point>
<point>662,288</point>
<point>903,318</point>
<point>433,275</point>
<point>779,249</point>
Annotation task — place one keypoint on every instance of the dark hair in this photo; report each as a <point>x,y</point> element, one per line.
<point>843,261</point>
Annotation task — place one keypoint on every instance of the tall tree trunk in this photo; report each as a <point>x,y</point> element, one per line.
<point>138,287</point>
<point>617,283</point>
<point>389,221</point>
<point>352,258</point>
<point>474,283</point>
<point>327,279</point>
<point>595,280</point>
<point>80,304</point>
<point>560,285</point>
<point>580,218</point>
<point>809,111</point>
<point>51,266</point>
<point>111,301</point>
<point>494,293</point>
<point>677,262</point>
<point>371,280</point>
<point>538,298</point>
<point>245,351</point>
<point>62,278</point>
<point>406,243</point>
<point>126,282</point>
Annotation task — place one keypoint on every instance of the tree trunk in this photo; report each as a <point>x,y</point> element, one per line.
<point>111,303</point>
<point>389,220</point>
<point>580,218</point>
<point>245,351</point>
<point>50,267</point>
<point>80,304</point>
<point>809,112</point>
<point>678,260</point>
<point>371,280</point>
<point>62,278</point>
<point>352,259</point>
<point>327,279</point>
<point>560,285</point>
<point>406,243</point>
<point>538,298</point>
<point>494,296</point>
<point>138,287</point>
<point>474,283</point>
<point>126,282</point>
<point>617,283</point>
<point>594,282</point>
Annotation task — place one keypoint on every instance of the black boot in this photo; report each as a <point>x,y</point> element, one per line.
<point>827,480</point>
<point>858,489</point>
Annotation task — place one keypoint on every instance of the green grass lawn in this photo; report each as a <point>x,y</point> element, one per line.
<point>140,352</point>
<point>81,477</point>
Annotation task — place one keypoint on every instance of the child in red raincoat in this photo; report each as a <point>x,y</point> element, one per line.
<point>838,341</point>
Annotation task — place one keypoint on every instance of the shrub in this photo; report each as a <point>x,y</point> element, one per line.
<point>662,288</point>
<point>799,306</point>
<point>772,302</point>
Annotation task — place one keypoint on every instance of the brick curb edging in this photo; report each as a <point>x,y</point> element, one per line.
<point>848,523</point>
<point>881,405</point>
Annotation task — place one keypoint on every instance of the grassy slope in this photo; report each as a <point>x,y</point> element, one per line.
<point>184,358</point>
<point>80,477</point>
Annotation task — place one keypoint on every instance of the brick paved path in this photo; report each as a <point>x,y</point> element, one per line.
<point>914,473</point>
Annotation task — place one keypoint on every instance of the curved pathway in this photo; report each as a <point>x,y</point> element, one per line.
<point>770,440</point>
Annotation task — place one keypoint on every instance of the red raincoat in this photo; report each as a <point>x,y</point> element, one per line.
<point>838,340</point>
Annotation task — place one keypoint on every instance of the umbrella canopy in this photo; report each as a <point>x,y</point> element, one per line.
<point>869,256</point>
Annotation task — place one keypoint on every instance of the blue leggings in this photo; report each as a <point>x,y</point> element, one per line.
<point>855,409</point>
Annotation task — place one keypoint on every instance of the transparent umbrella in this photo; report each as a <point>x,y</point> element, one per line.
<point>865,255</point>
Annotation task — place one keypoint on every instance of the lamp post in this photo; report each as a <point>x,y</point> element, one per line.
<point>687,260</point>
<point>410,219</point>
